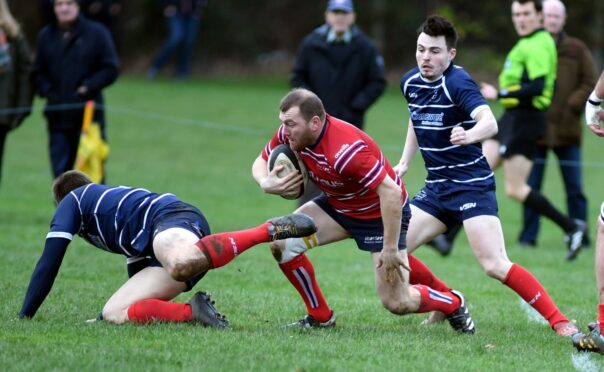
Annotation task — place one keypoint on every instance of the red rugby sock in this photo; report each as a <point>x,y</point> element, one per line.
<point>433,300</point>
<point>220,249</point>
<point>421,274</point>
<point>528,287</point>
<point>301,275</point>
<point>601,314</point>
<point>151,310</point>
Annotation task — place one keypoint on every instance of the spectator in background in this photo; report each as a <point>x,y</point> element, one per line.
<point>526,87</point>
<point>105,12</point>
<point>15,66</point>
<point>183,19</point>
<point>340,64</point>
<point>47,11</point>
<point>576,77</point>
<point>75,61</point>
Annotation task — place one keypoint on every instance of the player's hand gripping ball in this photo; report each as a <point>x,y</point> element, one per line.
<point>284,155</point>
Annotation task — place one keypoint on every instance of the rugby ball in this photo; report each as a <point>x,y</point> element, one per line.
<point>284,155</point>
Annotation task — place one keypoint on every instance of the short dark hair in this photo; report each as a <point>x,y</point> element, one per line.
<point>79,2</point>
<point>435,26</point>
<point>67,182</point>
<point>537,3</point>
<point>309,103</point>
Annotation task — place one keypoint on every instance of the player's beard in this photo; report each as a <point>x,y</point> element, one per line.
<point>295,145</point>
<point>300,142</point>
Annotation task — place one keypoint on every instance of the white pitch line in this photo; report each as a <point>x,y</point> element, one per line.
<point>531,313</point>
<point>264,132</point>
<point>583,362</point>
<point>189,121</point>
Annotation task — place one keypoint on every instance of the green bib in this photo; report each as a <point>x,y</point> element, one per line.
<point>532,57</point>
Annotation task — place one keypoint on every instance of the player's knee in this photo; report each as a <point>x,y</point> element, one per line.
<point>512,191</point>
<point>183,270</point>
<point>397,307</point>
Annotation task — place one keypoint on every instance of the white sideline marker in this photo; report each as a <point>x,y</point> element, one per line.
<point>583,362</point>
<point>531,313</point>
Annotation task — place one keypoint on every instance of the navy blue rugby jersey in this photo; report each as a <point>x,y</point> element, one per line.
<point>435,108</point>
<point>115,219</point>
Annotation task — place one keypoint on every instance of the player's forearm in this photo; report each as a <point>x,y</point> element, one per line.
<point>43,276</point>
<point>259,171</point>
<point>527,90</point>
<point>411,147</point>
<point>391,210</point>
<point>485,128</point>
<point>599,89</point>
<point>391,217</point>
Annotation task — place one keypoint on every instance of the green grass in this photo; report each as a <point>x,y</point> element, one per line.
<point>198,139</point>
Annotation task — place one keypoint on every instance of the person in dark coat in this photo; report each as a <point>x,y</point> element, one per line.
<point>339,63</point>
<point>15,66</point>
<point>106,12</point>
<point>75,61</point>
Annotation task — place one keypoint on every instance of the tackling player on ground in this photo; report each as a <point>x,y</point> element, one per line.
<point>448,119</point>
<point>594,117</point>
<point>363,199</point>
<point>167,243</point>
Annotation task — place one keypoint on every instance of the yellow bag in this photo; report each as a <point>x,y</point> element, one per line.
<point>92,150</point>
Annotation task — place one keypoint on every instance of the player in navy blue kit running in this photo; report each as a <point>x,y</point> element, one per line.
<point>448,119</point>
<point>167,243</point>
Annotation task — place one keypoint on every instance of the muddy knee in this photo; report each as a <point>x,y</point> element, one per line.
<point>183,271</point>
<point>397,307</point>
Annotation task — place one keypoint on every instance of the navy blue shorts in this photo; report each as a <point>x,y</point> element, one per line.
<point>180,215</point>
<point>453,208</point>
<point>368,234</point>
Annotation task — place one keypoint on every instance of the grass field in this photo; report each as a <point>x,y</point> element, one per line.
<point>197,139</point>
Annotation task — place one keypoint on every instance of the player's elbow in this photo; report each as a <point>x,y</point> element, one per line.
<point>493,129</point>
<point>259,169</point>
